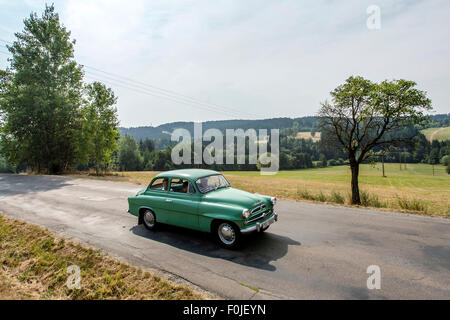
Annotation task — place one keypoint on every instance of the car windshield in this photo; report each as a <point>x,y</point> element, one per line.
<point>207,184</point>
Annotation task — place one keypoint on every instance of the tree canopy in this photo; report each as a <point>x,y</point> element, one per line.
<point>99,125</point>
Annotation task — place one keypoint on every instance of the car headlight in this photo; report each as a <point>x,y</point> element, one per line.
<point>246,213</point>
<point>273,200</point>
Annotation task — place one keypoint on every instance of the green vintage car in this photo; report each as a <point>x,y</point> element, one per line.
<point>202,200</point>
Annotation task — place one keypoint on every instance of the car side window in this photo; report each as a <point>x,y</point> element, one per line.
<point>191,189</point>
<point>176,184</point>
<point>160,184</point>
<point>181,186</point>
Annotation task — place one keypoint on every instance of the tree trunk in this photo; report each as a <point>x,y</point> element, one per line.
<point>355,188</point>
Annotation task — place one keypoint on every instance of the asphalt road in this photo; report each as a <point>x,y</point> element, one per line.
<point>312,252</point>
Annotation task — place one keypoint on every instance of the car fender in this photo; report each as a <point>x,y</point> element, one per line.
<point>206,219</point>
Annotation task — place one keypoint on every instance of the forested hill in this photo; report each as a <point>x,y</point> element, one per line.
<point>162,131</point>
<point>305,124</point>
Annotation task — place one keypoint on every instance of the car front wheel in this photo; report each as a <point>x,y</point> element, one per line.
<point>228,235</point>
<point>149,220</point>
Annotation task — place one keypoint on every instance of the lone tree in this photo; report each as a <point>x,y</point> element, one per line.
<point>363,115</point>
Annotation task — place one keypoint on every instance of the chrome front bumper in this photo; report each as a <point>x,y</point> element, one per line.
<point>260,225</point>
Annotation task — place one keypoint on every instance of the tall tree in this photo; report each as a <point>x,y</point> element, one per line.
<point>130,158</point>
<point>40,96</point>
<point>99,125</point>
<point>362,114</point>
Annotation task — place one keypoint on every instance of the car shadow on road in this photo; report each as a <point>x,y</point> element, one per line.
<point>15,184</point>
<point>258,250</point>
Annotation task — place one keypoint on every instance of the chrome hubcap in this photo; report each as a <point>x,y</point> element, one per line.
<point>149,219</point>
<point>226,233</point>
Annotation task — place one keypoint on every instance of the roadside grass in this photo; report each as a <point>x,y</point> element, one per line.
<point>34,263</point>
<point>412,204</point>
<point>413,188</point>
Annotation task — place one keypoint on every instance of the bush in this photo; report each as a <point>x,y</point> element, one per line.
<point>445,160</point>
<point>336,197</point>
<point>5,167</point>
<point>321,197</point>
<point>448,168</point>
<point>332,162</point>
<point>370,200</point>
<point>304,194</point>
<point>319,164</point>
<point>412,204</point>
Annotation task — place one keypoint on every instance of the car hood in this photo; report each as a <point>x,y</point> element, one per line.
<point>236,197</point>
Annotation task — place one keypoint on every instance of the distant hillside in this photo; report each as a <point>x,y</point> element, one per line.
<point>305,124</point>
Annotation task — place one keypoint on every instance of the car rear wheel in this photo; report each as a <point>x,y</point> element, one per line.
<point>149,219</point>
<point>228,235</point>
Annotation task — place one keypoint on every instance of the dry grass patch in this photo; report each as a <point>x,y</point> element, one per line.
<point>33,265</point>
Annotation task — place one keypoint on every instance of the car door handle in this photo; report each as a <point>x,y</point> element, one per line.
<point>168,200</point>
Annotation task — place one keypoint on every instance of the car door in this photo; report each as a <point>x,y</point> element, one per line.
<point>155,198</point>
<point>183,206</point>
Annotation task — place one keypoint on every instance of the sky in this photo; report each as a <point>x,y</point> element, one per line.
<point>188,60</point>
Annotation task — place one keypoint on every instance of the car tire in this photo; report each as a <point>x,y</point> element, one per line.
<point>228,234</point>
<point>149,219</point>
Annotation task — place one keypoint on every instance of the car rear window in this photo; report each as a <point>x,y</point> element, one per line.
<point>160,184</point>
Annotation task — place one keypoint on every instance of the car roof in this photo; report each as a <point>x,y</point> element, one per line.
<point>193,174</point>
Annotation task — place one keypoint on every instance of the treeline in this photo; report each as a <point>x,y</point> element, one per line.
<point>295,153</point>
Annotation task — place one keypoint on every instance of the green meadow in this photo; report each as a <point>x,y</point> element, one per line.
<point>406,187</point>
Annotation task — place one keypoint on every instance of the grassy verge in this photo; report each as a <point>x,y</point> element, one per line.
<point>34,265</point>
<point>410,188</point>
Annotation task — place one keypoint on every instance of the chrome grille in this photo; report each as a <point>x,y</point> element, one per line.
<point>258,209</point>
<point>257,213</point>
<point>256,217</point>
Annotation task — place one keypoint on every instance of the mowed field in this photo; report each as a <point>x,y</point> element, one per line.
<point>410,189</point>
<point>439,134</point>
